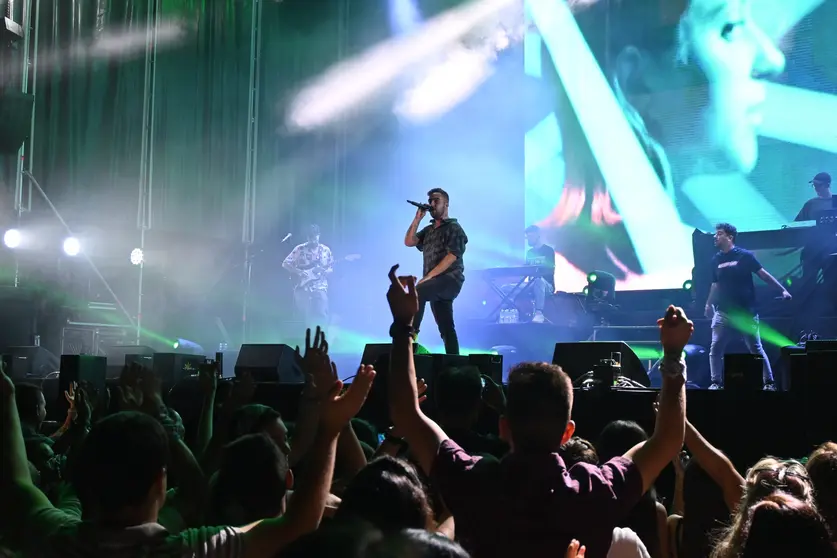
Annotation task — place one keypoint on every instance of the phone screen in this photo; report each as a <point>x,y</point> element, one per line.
<point>381,438</point>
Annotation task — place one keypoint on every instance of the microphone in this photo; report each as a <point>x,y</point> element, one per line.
<point>287,236</point>
<point>423,206</point>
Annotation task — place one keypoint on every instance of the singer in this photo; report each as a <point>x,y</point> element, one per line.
<point>442,244</point>
<point>311,263</point>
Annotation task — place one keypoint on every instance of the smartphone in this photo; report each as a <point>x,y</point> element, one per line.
<point>219,363</point>
<point>381,438</point>
<point>482,380</point>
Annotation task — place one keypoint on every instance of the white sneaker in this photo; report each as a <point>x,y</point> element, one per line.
<point>538,318</point>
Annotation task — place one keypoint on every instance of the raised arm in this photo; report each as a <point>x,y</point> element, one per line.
<point>411,239</point>
<point>667,440</point>
<point>422,434</point>
<point>20,497</point>
<point>307,504</point>
<point>717,466</point>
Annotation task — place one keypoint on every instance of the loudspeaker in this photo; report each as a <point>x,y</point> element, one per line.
<point>743,372</point>
<point>29,362</point>
<point>15,120</point>
<point>578,358</point>
<point>373,351</point>
<point>427,366</point>
<point>172,367</point>
<point>88,371</point>
<point>118,355</point>
<point>269,363</point>
<point>813,373</point>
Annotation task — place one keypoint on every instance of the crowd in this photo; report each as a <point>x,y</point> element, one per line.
<point>128,476</point>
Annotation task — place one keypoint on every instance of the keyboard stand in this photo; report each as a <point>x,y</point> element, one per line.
<point>508,300</point>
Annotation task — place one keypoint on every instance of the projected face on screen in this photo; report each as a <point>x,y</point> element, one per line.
<point>687,81</point>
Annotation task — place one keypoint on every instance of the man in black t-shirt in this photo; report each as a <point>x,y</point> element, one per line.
<point>732,303</point>
<point>542,255</point>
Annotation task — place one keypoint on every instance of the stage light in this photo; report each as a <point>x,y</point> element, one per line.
<point>12,238</point>
<point>688,285</point>
<point>592,277</point>
<point>188,347</point>
<point>137,257</point>
<point>72,246</point>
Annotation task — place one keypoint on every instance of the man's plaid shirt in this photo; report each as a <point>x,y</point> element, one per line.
<point>437,242</point>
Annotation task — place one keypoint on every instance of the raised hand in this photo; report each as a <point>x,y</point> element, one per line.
<point>337,409</point>
<point>575,550</point>
<point>316,365</point>
<point>208,379</point>
<point>493,396</point>
<point>402,297</point>
<point>130,397</point>
<point>421,390</point>
<point>675,330</point>
<point>83,412</point>
<point>70,395</point>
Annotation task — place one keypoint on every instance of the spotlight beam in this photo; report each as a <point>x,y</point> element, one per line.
<point>92,265</point>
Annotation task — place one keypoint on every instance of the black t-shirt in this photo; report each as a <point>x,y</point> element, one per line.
<point>543,255</point>
<point>733,271</point>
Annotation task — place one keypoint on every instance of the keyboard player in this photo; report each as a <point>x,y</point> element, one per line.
<point>543,255</point>
<point>814,255</point>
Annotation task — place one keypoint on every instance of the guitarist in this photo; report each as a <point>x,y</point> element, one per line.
<point>311,263</point>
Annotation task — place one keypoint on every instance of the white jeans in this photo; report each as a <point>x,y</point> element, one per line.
<point>722,332</point>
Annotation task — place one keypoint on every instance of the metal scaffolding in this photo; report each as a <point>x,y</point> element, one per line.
<point>248,228</point>
<point>23,191</point>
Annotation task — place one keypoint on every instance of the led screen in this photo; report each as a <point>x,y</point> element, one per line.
<point>670,116</point>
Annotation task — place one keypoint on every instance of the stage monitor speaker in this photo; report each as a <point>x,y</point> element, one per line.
<point>813,374</point>
<point>743,372</point>
<point>15,120</point>
<point>578,358</point>
<point>374,351</point>
<point>32,362</point>
<point>428,367</point>
<point>87,371</point>
<point>173,367</point>
<point>269,363</point>
<point>118,355</point>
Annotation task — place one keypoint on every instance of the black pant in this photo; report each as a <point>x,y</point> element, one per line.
<point>818,298</point>
<point>440,293</point>
<point>312,308</point>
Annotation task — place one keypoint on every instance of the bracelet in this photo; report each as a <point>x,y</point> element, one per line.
<point>673,366</point>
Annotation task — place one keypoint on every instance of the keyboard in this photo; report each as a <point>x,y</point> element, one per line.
<point>794,235</point>
<point>515,272</point>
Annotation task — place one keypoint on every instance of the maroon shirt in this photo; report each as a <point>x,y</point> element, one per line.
<point>531,505</point>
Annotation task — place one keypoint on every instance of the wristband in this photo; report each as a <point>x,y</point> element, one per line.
<point>397,329</point>
<point>673,366</point>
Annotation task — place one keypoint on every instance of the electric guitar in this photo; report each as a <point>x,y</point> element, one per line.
<point>313,271</point>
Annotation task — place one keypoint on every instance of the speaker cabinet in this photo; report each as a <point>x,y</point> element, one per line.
<point>32,362</point>
<point>743,372</point>
<point>269,363</point>
<point>173,367</point>
<point>428,367</point>
<point>578,358</point>
<point>87,371</point>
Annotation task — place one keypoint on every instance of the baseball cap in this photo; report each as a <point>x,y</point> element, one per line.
<point>822,177</point>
